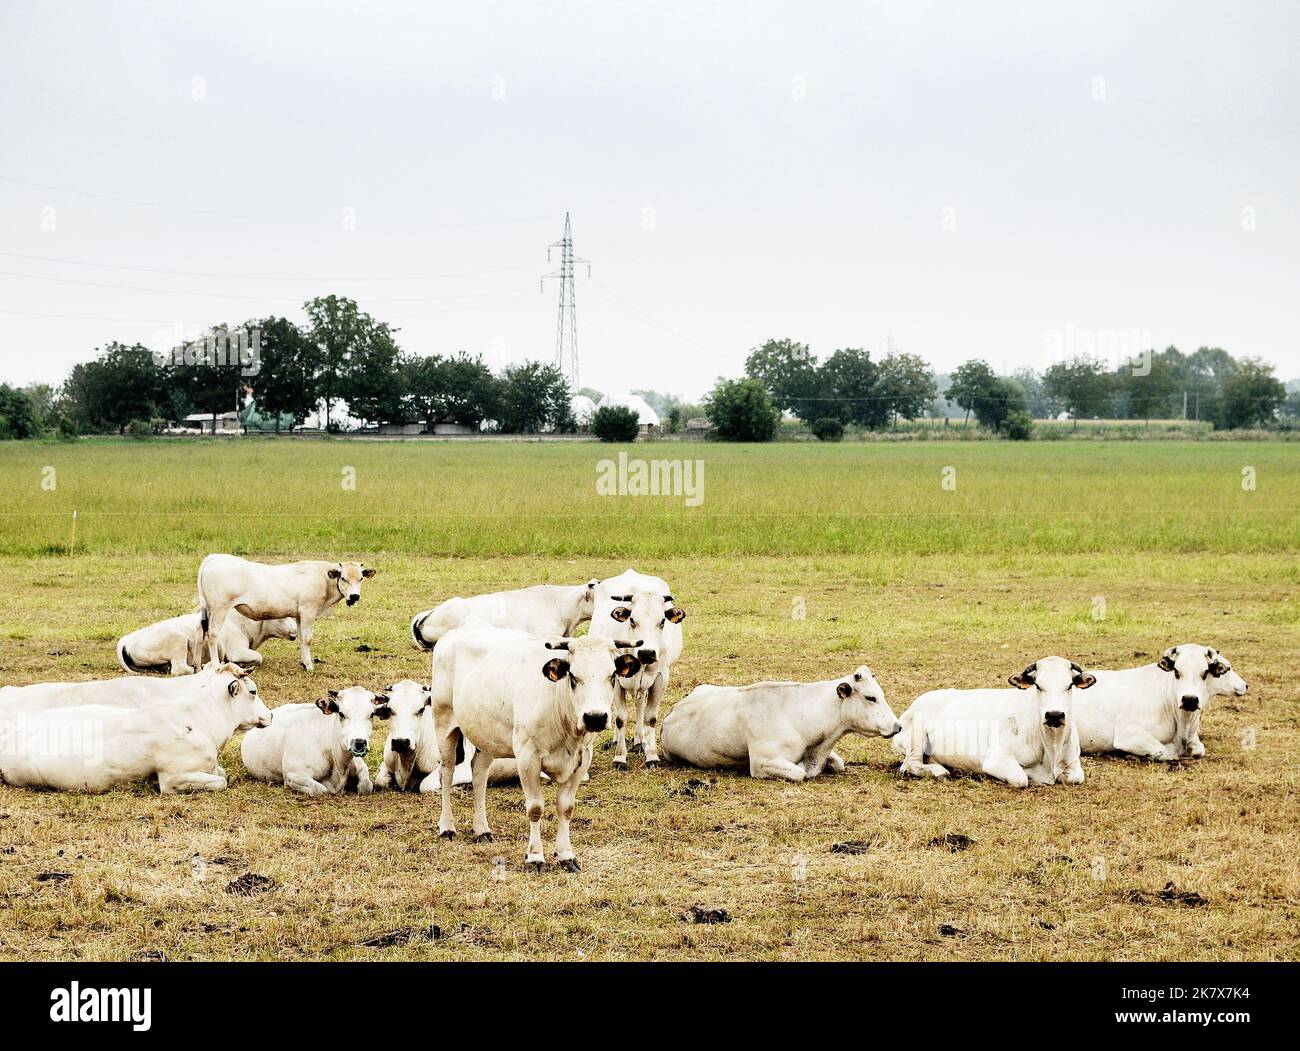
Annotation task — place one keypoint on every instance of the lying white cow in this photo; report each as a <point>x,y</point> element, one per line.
<point>91,748</point>
<point>304,591</point>
<point>1014,736</point>
<point>317,749</point>
<point>776,729</point>
<point>175,646</point>
<point>516,696</point>
<point>543,610</point>
<point>411,762</point>
<point>1155,711</point>
<point>125,691</point>
<point>639,612</point>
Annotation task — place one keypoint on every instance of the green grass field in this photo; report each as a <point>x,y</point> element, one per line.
<point>1103,552</point>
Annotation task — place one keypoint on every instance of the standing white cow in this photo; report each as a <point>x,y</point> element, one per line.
<point>175,646</point>
<point>639,612</point>
<point>317,749</point>
<point>91,748</point>
<point>1155,711</point>
<point>776,729</point>
<point>304,591</point>
<point>1014,736</point>
<point>411,761</point>
<point>544,609</point>
<point>537,701</point>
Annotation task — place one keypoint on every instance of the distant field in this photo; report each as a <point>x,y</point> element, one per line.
<point>1102,552</point>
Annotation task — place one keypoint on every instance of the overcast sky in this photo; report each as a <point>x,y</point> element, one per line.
<point>1007,181</point>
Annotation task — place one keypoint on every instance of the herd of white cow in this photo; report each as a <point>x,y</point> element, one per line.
<point>514,693</point>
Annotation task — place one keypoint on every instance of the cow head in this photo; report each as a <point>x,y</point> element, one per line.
<point>407,703</point>
<point>646,616</point>
<point>863,705</point>
<point>347,577</point>
<point>281,628</point>
<point>1199,673</point>
<point>1055,679</point>
<point>245,705</point>
<point>354,707</point>
<point>587,603</point>
<point>588,666</point>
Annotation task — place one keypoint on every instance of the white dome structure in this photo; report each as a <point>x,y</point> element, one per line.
<point>583,409</point>
<point>645,416</point>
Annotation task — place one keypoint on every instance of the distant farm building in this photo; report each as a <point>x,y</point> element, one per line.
<point>647,419</point>
<point>583,409</point>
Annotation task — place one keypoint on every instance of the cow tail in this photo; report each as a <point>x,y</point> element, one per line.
<point>420,641</point>
<point>124,658</point>
<point>460,748</point>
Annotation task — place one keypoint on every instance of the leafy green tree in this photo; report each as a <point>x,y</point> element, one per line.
<point>1251,397</point>
<point>42,396</point>
<point>212,371</point>
<point>848,383</point>
<point>1081,385</point>
<point>285,382</point>
<point>789,372</point>
<point>907,385</point>
<point>970,384</point>
<point>828,429</point>
<point>1149,388</point>
<point>1041,405</point>
<point>351,342</point>
<point>534,397</point>
<point>615,423</point>
<point>1019,426</point>
<point>742,411</point>
<point>123,383</point>
<point>17,414</point>
<point>470,393</point>
<point>373,378</point>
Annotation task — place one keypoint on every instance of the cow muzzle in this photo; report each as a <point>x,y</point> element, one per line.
<point>1190,704</point>
<point>647,656</point>
<point>1054,719</point>
<point>359,747</point>
<point>898,729</point>
<point>353,599</point>
<point>400,745</point>
<point>594,722</point>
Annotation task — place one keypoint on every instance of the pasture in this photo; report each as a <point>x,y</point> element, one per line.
<point>801,562</point>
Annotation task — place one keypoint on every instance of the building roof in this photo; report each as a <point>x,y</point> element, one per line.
<point>645,416</point>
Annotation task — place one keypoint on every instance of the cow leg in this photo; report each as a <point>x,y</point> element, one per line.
<point>359,777</point>
<point>1005,768</point>
<point>774,766</point>
<point>619,762</point>
<point>1073,774</point>
<point>384,775</point>
<point>189,781</point>
<point>178,660</point>
<point>530,776</point>
<point>306,621</point>
<point>447,772</point>
<point>565,796</point>
<point>638,720</point>
<point>306,784</point>
<point>653,696</point>
<point>212,637</point>
<point>912,742</point>
<point>479,767</point>
<point>1138,742</point>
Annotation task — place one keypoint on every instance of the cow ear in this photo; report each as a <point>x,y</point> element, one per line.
<point>333,573</point>
<point>382,711</point>
<point>1218,668</point>
<point>368,573</point>
<point>676,614</point>
<point>555,669</point>
<point>843,690</point>
<point>1166,662</point>
<point>327,705</point>
<point>1024,679</point>
<point>591,584</point>
<point>333,694</point>
<point>621,614</point>
<point>381,698</point>
<point>626,665</point>
<point>1084,679</point>
<point>233,688</point>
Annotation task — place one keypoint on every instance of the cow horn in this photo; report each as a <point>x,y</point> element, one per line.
<point>629,645</point>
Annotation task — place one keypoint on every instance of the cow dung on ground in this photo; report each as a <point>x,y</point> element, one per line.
<point>250,883</point>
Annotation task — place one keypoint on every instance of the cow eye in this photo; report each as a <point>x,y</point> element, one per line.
<point>663,622</point>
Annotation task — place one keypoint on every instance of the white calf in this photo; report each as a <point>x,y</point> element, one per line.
<point>317,749</point>
<point>304,591</point>
<point>517,696</point>
<point>125,691</point>
<point>776,729</point>
<point>1155,711</point>
<point>91,748</point>
<point>543,610</point>
<point>1013,736</point>
<point>175,646</point>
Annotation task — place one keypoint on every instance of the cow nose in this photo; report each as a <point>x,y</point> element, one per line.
<point>1055,719</point>
<point>1190,704</point>
<point>595,721</point>
<point>898,729</point>
<point>401,745</point>
<point>646,656</point>
<point>360,746</point>
<point>353,599</point>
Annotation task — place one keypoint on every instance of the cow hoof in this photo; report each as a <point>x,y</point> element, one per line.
<point>605,746</point>
<point>636,746</point>
<point>448,834</point>
<point>570,865</point>
<point>483,837</point>
<point>618,764</point>
<point>535,866</point>
<point>652,764</point>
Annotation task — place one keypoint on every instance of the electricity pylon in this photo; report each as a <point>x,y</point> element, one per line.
<point>566,326</point>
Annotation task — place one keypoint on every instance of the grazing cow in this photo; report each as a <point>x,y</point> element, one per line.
<point>543,610</point>
<point>175,646</point>
<point>91,748</point>
<point>776,729</point>
<point>125,691</point>
<point>304,591</point>
<point>1155,711</point>
<point>639,612</point>
<point>317,749</point>
<point>411,761</point>
<point>1013,736</point>
<point>537,701</point>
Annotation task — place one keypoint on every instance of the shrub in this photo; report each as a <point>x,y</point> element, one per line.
<point>1019,426</point>
<point>828,429</point>
<point>138,428</point>
<point>742,411</point>
<point>615,423</point>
